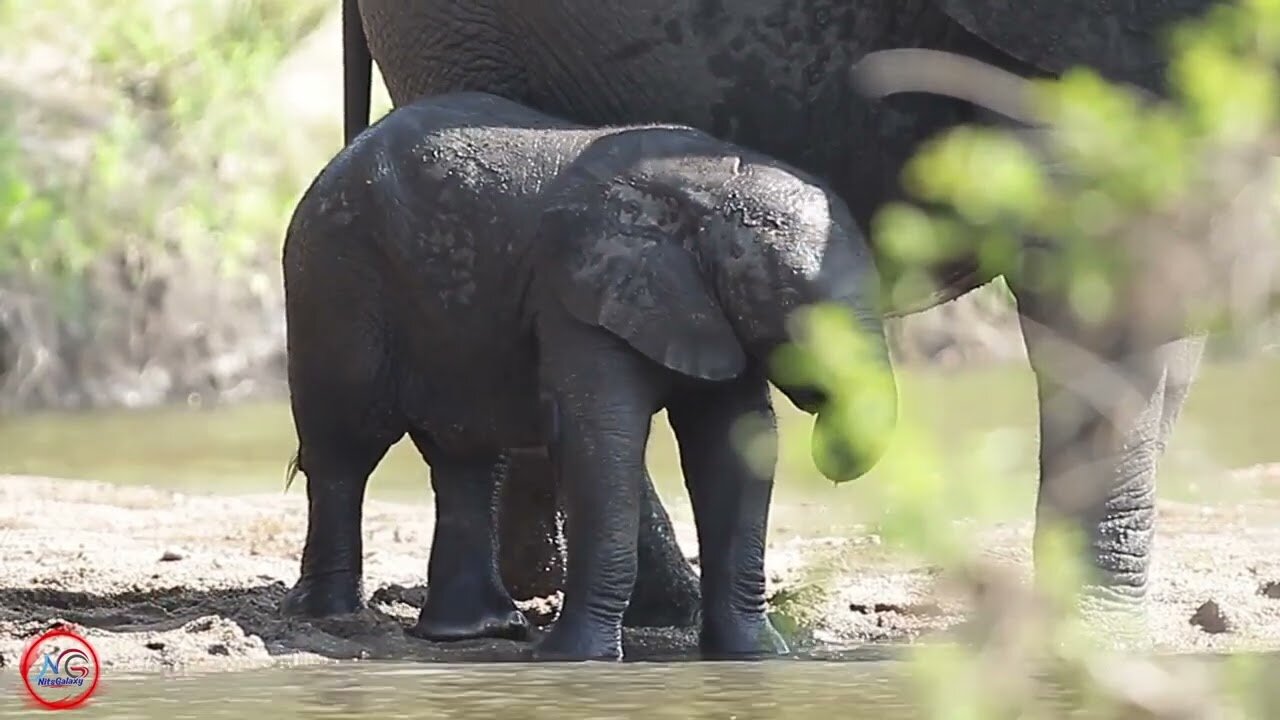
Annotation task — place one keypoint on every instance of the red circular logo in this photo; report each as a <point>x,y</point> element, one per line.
<point>60,669</point>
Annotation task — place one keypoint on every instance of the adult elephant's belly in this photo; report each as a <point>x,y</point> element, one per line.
<point>772,75</point>
<point>769,74</point>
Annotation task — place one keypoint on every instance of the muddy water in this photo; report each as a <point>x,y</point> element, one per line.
<point>770,690</point>
<point>1228,423</point>
<point>744,691</point>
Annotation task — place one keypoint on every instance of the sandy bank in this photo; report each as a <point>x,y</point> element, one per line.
<point>161,580</point>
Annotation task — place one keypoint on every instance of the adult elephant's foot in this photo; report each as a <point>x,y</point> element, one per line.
<point>570,641</point>
<point>1111,605</point>
<point>667,591</point>
<point>462,613</point>
<point>320,596</point>
<point>732,636</point>
<point>1116,620</point>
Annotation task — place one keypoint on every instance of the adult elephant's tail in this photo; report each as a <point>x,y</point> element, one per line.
<point>357,72</point>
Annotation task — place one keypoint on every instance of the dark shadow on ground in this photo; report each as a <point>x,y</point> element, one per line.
<point>376,633</point>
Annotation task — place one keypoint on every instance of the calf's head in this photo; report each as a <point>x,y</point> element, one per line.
<point>708,276</point>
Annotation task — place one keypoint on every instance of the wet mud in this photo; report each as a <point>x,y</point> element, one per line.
<point>160,580</point>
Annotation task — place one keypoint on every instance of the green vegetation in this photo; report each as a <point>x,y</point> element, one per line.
<point>1118,175</point>
<point>145,183</point>
<point>1117,169</point>
<point>193,78</point>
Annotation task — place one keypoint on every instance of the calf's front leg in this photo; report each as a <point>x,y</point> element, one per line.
<point>604,396</point>
<point>730,486</point>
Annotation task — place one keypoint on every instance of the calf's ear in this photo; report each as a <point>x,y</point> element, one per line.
<point>633,279</point>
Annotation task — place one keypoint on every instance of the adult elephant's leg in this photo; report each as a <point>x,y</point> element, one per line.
<point>666,593</point>
<point>465,595</point>
<point>530,542</point>
<point>1182,364</point>
<point>731,496</point>
<point>1106,410</point>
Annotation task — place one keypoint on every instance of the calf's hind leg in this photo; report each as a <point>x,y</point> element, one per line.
<point>343,404</point>
<point>337,474</point>
<point>465,594</point>
<point>344,429</point>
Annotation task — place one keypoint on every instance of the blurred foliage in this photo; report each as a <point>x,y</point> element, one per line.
<point>1113,159</point>
<point>168,96</point>
<point>1112,156</point>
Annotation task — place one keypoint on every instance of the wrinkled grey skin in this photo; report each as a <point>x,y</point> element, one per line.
<point>772,75</point>
<point>483,277</point>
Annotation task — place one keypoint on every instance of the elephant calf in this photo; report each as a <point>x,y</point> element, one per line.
<point>482,277</point>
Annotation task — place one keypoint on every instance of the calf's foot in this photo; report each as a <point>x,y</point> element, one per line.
<point>579,641</point>
<point>732,636</point>
<point>330,582</point>
<point>322,596</point>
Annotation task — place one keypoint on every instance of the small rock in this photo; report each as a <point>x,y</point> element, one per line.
<point>2,660</point>
<point>877,608</point>
<point>219,649</point>
<point>1270,590</point>
<point>414,597</point>
<point>154,645</point>
<point>1210,618</point>
<point>170,556</point>
<point>201,624</point>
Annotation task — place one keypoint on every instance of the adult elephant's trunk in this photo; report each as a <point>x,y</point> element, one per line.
<point>357,72</point>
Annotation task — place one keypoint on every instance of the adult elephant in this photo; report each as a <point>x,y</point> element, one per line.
<point>772,75</point>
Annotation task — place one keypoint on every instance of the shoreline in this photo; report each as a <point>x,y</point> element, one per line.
<point>161,580</point>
